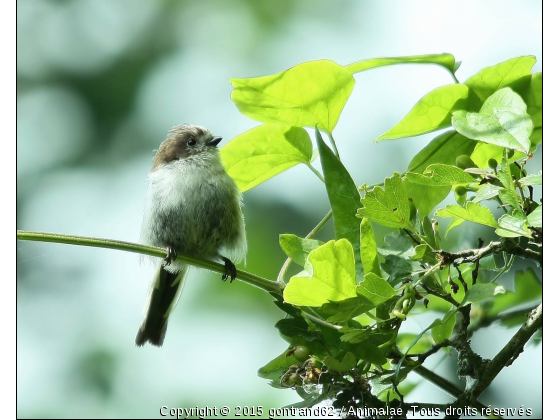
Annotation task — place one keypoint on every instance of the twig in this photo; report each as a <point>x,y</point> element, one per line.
<point>260,282</point>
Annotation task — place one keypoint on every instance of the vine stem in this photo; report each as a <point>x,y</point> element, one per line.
<point>257,281</point>
<point>333,143</point>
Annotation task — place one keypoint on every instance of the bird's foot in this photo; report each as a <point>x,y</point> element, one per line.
<point>230,270</point>
<point>170,256</point>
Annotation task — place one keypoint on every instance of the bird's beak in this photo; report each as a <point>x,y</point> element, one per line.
<point>214,142</point>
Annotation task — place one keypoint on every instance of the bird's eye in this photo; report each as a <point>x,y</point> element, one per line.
<point>191,141</point>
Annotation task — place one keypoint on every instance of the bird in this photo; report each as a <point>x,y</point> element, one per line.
<point>192,207</point>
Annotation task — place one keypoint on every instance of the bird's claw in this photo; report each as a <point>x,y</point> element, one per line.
<point>170,256</point>
<point>229,271</point>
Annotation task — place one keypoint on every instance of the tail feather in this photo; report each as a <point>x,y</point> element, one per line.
<point>164,293</point>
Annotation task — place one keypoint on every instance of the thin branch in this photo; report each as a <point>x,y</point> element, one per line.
<point>474,255</point>
<point>333,143</point>
<point>260,282</point>
<point>508,354</point>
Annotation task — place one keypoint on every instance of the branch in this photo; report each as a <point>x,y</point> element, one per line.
<point>509,353</point>
<point>474,255</point>
<point>260,282</point>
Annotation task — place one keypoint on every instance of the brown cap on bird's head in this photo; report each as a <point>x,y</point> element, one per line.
<point>184,141</point>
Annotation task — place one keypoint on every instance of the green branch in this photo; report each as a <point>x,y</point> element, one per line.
<point>260,282</point>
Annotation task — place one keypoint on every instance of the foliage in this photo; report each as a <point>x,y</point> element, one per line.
<point>345,309</point>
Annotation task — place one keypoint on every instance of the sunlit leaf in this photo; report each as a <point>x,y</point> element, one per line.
<point>263,152</point>
<point>375,289</point>
<point>389,206</point>
<point>445,148</point>
<point>368,248</point>
<point>513,225</point>
<point>298,248</point>
<point>431,113</point>
<point>439,175</point>
<point>332,276</point>
<point>502,121</point>
<point>514,72</point>
<point>473,212</point>
<point>535,218</point>
<point>305,95</point>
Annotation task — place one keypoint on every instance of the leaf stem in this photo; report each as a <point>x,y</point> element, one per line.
<point>257,281</point>
<point>316,172</point>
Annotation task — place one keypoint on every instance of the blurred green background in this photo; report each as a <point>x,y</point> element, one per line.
<point>99,83</point>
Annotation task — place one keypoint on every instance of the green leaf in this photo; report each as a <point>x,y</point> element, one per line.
<point>431,113</point>
<point>332,276</point>
<point>404,340</point>
<point>397,243</point>
<point>533,98</point>
<point>443,328</point>
<point>535,218</point>
<point>527,288</point>
<point>424,254</point>
<point>513,72</point>
<point>482,291</point>
<point>347,309</point>
<point>502,121</point>
<point>445,60</point>
<point>535,179</point>
<point>348,363</point>
<point>473,212</point>
<point>486,192</point>
<point>424,197</point>
<point>513,225</point>
<point>309,94</point>
<point>369,351</point>
<point>387,207</point>
<point>397,267</point>
<point>344,199</point>
<point>375,289</point>
<point>483,152</point>
<point>296,327</point>
<point>298,248</point>
<point>275,369</point>
<point>368,248</point>
<point>439,175</point>
<point>445,148</point>
<point>263,152</point>
<point>455,222</point>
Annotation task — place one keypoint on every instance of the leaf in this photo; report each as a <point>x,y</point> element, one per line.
<point>369,351</point>
<point>527,288</point>
<point>375,289</point>
<point>431,113</point>
<point>397,267</point>
<point>445,148</point>
<point>345,310</point>
<point>348,363</point>
<point>344,199</point>
<point>502,121</point>
<point>483,152</point>
<point>332,276</point>
<point>513,72</point>
<point>425,198</point>
<point>387,207</point>
<point>275,369</point>
<point>298,248</point>
<point>445,60</point>
<point>443,328</point>
<point>263,152</point>
<point>439,175</point>
<point>486,192</point>
<point>404,340</point>
<point>368,248</point>
<point>423,253</point>
<point>513,225</point>
<point>354,335</point>
<point>473,212</point>
<point>397,243</point>
<point>482,291</point>
<point>455,222</point>
<point>533,98</point>
<point>296,327</point>
<point>535,218</point>
<point>535,179</point>
<point>309,94</point>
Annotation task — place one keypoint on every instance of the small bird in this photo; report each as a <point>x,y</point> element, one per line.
<point>193,207</point>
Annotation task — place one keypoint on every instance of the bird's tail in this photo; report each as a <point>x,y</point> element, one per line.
<point>162,297</point>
